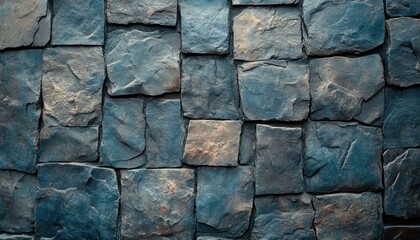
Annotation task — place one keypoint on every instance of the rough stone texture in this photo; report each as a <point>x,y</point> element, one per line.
<point>80,204</point>
<point>283,217</point>
<point>342,157</point>
<point>209,88</point>
<point>278,161</point>
<point>348,26</point>
<point>157,204</point>
<point>123,133</point>
<point>211,238</point>
<point>224,199</point>
<point>20,86</point>
<point>24,23</point>
<point>17,202</point>
<point>72,86</point>
<point>160,12</point>
<point>348,216</point>
<point>401,232</point>
<point>274,90</point>
<point>68,144</point>
<point>344,88</point>
<point>401,57</point>
<point>5,236</point>
<point>204,26</point>
<point>212,143</point>
<point>401,120</point>
<point>402,182</point>
<point>78,22</point>
<point>263,2</point>
<point>142,62</point>
<point>266,33</point>
<point>165,134</point>
<point>402,8</point>
<point>247,144</point>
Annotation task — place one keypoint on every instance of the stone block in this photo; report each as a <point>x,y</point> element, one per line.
<point>402,8</point>
<point>157,204</point>
<point>274,90</point>
<point>247,144</point>
<point>342,157</point>
<point>401,232</point>
<point>264,2</point>
<point>5,236</point>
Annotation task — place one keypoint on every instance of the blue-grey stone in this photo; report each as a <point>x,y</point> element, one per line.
<point>247,144</point>
<point>17,202</point>
<point>342,157</point>
<point>165,133</point>
<point>20,86</point>
<point>123,133</point>
<point>264,2</point>
<point>157,204</point>
<point>68,144</point>
<point>401,120</point>
<point>284,217</point>
<point>267,32</point>
<point>211,238</point>
<point>142,62</point>
<point>348,216</point>
<point>274,90</point>
<point>224,199</point>
<point>76,202</point>
<point>78,22</point>
<point>401,232</point>
<point>209,88</point>
<point>402,8</point>
<point>348,26</point>
<point>72,85</point>
<point>402,182</point>
<point>5,236</point>
<point>278,161</point>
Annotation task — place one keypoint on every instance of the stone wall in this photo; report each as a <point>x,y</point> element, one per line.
<point>205,119</point>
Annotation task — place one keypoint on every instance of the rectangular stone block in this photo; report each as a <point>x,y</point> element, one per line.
<point>263,2</point>
<point>401,232</point>
<point>247,144</point>
<point>402,8</point>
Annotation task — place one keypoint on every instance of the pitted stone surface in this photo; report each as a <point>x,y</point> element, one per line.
<point>401,232</point>
<point>402,8</point>
<point>157,204</point>
<point>263,2</point>
<point>274,90</point>
<point>5,236</point>
<point>247,145</point>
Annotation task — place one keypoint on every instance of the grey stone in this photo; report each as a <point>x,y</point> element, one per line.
<point>247,144</point>
<point>80,204</point>
<point>402,8</point>
<point>72,84</point>
<point>17,202</point>
<point>205,26</point>
<point>78,22</point>
<point>266,33</point>
<point>142,62</point>
<point>278,161</point>
<point>157,204</point>
<point>274,90</point>
<point>211,238</point>
<point>342,157</point>
<point>348,26</point>
<point>348,216</point>
<point>69,144</point>
<point>212,143</point>
<point>123,133</point>
<point>401,232</point>
<point>224,199</point>
<point>402,182</point>
<point>263,2</point>
<point>20,87</point>
<point>5,236</point>
<point>160,12</point>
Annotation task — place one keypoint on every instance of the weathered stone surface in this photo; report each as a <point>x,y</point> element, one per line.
<point>160,12</point>
<point>402,182</point>
<point>263,2</point>
<point>17,202</point>
<point>69,144</point>
<point>342,157</point>
<point>78,22</point>
<point>204,26</point>
<point>247,144</point>
<point>228,208</point>
<point>80,204</point>
<point>278,161</point>
<point>72,84</point>
<point>142,62</point>
<point>209,88</point>
<point>20,86</point>
<point>401,57</point>
<point>212,143</point>
<point>401,120</point>
<point>211,238</point>
<point>5,236</point>
<point>402,8</point>
<point>348,216</point>
<point>348,26</point>
<point>401,232</point>
<point>123,133</point>
<point>342,88</point>
<point>165,133</point>
<point>285,217</point>
<point>274,90</point>
<point>157,204</point>
<point>266,33</point>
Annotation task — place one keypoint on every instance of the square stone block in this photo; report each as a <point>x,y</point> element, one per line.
<point>402,8</point>
<point>263,2</point>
